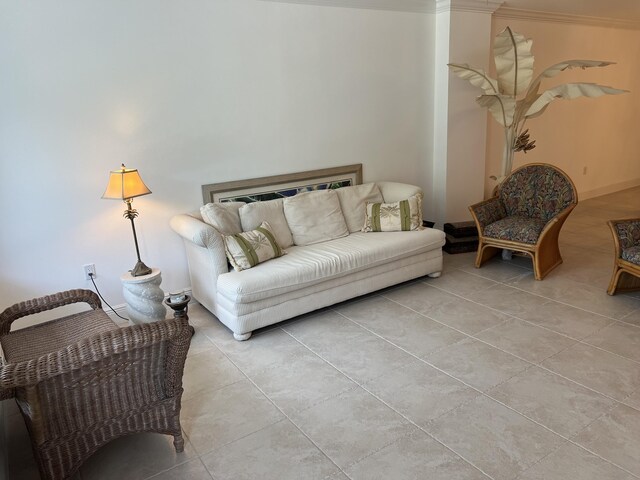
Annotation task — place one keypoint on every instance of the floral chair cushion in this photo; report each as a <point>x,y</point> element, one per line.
<point>628,234</point>
<point>516,229</point>
<point>537,191</point>
<point>631,254</point>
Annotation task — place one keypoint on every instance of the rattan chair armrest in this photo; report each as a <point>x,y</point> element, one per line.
<point>619,243</point>
<point>95,349</point>
<point>487,212</point>
<point>48,302</point>
<point>556,218</point>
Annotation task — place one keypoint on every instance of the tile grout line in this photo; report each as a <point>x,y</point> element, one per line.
<point>615,404</point>
<point>281,411</point>
<point>532,365</point>
<point>612,321</point>
<point>508,353</point>
<point>547,299</point>
<point>361,385</point>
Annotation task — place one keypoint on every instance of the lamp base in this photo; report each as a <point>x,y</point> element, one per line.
<point>140,269</point>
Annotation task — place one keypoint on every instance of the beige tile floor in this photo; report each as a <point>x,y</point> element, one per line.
<point>478,374</point>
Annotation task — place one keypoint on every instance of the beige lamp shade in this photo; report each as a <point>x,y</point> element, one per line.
<point>125,183</point>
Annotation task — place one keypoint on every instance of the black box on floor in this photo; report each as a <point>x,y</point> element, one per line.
<point>460,245</point>
<point>462,237</point>
<point>461,229</point>
<point>427,223</point>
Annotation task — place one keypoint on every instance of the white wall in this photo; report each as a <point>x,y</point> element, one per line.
<point>189,93</point>
<point>597,134</point>
<point>462,128</point>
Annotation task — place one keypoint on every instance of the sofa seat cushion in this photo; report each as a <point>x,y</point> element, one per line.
<point>311,264</point>
<point>631,254</point>
<point>516,229</point>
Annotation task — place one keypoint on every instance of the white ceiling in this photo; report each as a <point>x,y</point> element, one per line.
<point>622,10</point>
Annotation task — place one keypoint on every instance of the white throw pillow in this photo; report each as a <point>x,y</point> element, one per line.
<point>271,211</point>
<point>315,217</point>
<point>353,201</point>
<point>223,217</point>
<point>248,249</point>
<point>404,215</point>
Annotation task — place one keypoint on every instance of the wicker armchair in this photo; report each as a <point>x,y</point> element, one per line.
<point>81,381</point>
<point>626,267</point>
<point>526,215</point>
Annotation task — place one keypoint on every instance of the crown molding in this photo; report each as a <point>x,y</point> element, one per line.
<point>476,6</point>
<point>416,6</point>
<point>553,17</point>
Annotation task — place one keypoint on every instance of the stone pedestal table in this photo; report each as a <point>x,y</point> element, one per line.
<point>144,297</point>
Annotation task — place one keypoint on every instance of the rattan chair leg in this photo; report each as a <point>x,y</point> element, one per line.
<point>545,260</point>
<point>623,281</point>
<point>485,252</point>
<point>178,443</point>
<point>613,283</point>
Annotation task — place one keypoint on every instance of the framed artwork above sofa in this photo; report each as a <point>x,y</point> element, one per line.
<point>279,186</point>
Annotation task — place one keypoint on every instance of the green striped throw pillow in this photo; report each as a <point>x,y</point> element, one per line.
<point>399,216</point>
<point>248,249</point>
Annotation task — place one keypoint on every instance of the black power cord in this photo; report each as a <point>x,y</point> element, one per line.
<point>102,298</point>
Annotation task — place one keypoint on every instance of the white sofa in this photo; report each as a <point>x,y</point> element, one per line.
<point>308,277</point>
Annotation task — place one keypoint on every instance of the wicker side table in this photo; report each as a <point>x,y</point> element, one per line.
<point>144,297</point>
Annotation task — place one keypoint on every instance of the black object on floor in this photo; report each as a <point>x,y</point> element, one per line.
<point>461,237</point>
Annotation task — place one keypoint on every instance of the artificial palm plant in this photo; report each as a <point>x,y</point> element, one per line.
<point>513,97</point>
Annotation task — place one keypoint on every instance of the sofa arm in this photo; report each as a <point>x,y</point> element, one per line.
<point>196,231</point>
<point>394,191</point>
<point>206,256</point>
<point>487,212</point>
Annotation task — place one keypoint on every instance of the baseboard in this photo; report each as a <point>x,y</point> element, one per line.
<point>121,309</point>
<point>616,187</point>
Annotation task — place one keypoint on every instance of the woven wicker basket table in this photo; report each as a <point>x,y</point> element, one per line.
<point>81,381</point>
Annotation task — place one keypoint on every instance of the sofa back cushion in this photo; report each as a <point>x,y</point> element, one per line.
<point>315,217</point>
<point>223,217</point>
<point>353,201</point>
<point>270,211</point>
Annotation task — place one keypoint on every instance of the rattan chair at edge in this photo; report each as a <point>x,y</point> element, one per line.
<point>626,266</point>
<point>81,381</point>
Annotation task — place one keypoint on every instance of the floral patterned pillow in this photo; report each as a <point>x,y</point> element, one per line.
<point>248,249</point>
<point>394,217</point>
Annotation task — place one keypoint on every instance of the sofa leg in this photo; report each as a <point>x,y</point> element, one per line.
<point>434,274</point>
<point>241,337</point>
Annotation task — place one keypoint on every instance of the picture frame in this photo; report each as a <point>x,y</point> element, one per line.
<point>280,186</point>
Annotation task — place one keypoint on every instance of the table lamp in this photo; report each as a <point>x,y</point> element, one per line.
<point>125,184</point>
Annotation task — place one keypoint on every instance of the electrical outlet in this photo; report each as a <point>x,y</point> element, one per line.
<point>89,268</point>
<point>584,170</point>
